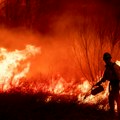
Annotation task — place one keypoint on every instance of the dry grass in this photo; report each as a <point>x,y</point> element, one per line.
<point>19,106</point>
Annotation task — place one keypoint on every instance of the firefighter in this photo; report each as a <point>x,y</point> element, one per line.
<point>112,74</point>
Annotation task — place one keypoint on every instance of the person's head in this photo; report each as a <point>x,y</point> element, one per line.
<point>107,57</point>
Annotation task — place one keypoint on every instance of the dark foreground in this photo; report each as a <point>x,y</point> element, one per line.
<point>16,106</point>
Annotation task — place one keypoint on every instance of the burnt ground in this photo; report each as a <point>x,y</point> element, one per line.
<point>17,106</point>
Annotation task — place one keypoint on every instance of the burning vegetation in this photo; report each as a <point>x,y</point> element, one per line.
<point>55,48</point>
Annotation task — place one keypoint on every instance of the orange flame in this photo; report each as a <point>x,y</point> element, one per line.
<point>11,67</point>
<point>15,65</point>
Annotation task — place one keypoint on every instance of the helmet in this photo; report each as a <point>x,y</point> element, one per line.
<point>106,56</point>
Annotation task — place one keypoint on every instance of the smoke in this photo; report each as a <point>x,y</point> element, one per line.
<point>55,56</point>
<point>67,32</point>
<point>51,17</point>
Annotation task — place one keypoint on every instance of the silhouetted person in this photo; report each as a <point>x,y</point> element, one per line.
<point>111,74</point>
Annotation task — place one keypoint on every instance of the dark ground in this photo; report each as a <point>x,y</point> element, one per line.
<point>17,106</point>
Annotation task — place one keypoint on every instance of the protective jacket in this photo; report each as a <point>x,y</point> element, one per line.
<point>112,74</point>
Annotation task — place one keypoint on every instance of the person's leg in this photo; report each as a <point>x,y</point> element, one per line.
<point>118,104</point>
<point>111,104</point>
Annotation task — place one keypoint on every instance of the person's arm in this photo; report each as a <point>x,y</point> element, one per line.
<point>117,70</point>
<point>102,80</point>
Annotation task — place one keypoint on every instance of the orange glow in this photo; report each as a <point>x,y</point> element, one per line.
<point>15,65</point>
<point>73,39</point>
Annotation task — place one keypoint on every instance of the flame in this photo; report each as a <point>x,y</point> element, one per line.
<point>84,87</point>
<point>118,62</point>
<point>15,65</point>
<point>12,68</point>
<point>58,86</point>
